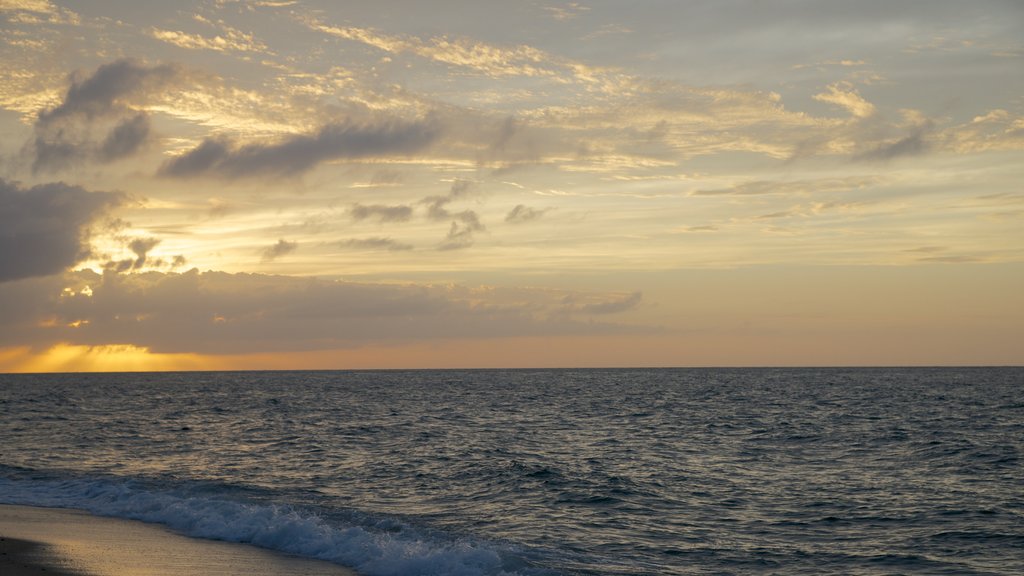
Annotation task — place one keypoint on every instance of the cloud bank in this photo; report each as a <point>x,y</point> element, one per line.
<point>222,313</point>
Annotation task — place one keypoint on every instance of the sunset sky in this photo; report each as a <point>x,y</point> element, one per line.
<point>317,184</point>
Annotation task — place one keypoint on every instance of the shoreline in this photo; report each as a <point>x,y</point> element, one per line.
<point>37,541</point>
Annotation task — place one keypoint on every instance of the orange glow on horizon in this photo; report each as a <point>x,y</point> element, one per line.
<point>106,358</point>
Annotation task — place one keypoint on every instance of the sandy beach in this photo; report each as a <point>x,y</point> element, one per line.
<point>58,542</point>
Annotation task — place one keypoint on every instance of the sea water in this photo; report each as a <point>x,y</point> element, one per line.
<point>688,471</point>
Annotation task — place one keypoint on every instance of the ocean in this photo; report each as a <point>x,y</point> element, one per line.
<point>530,472</point>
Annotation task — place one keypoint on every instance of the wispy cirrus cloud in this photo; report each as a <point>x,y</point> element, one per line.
<point>481,57</point>
<point>230,40</point>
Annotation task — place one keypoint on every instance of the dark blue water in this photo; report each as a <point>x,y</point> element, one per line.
<point>760,471</point>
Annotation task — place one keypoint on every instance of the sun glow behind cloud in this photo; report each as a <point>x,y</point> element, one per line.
<point>104,358</point>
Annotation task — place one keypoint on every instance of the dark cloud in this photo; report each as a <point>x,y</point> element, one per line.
<point>126,138</point>
<point>523,213</point>
<point>298,154</point>
<point>382,213</point>
<point>141,248</point>
<point>914,143</point>
<point>376,244</point>
<point>463,223</point>
<point>111,89</point>
<point>459,237</point>
<point>57,152</point>
<point>911,145</point>
<point>282,248</point>
<point>221,313</point>
<point>64,134</point>
<point>45,229</point>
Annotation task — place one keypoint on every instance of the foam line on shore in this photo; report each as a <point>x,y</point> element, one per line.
<point>80,543</point>
<point>371,546</point>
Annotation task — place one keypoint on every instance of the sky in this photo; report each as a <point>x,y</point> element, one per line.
<point>315,185</point>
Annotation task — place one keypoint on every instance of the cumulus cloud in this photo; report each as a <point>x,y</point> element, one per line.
<point>111,95</point>
<point>221,313</point>
<point>381,213</point>
<point>844,95</point>
<point>112,88</point>
<point>282,248</point>
<point>297,154</point>
<point>126,138</point>
<point>45,229</point>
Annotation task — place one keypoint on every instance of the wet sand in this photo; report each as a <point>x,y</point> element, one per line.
<point>58,542</point>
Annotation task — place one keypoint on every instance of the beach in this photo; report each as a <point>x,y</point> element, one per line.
<point>59,542</point>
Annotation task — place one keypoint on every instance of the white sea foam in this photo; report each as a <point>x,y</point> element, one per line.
<point>374,553</point>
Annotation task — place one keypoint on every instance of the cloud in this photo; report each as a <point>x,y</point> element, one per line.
<point>112,88</point>
<point>381,213</point>
<point>230,39</point>
<point>463,224</point>
<point>282,248</point>
<point>844,95</point>
<point>221,313</point>
<point>567,11</point>
<point>437,205</point>
<point>63,134</point>
<point>297,154</point>
<point>45,229</point>
<point>376,244</point>
<point>459,236</point>
<point>794,187</point>
<point>140,247</point>
<point>912,144</point>
<point>126,138</point>
<point>484,58</point>
<point>35,11</point>
<point>697,229</point>
<point>522,213</point>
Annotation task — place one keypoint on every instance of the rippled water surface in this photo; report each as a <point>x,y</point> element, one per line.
<point>760,471</point>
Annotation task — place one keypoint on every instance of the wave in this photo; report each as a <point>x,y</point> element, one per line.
<point>374,547</point>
